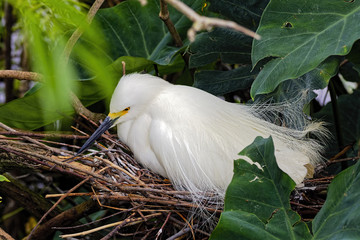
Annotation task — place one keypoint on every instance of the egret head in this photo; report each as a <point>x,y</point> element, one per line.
<point>131,98</point>
<point>133,94</point>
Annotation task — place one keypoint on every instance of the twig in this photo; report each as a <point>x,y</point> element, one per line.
<point>182,232</point>
<point>162,227</point>
<point>44,135</point>
<point>55,195</point>
<point>153,200</point>
<point>123,67</point>
<point>164,15</point>
<point>130,222</point>
<point>55,204</point>
<point>66,218</point>
<point>79,31</point>
<point>304,206</point>
<point>31,140</point>
<point>80,109</point>
<point>4,235</point>
<point>204,23</point>
<point>21,75</point>
<point>32,76</point>
<point>126,221</point>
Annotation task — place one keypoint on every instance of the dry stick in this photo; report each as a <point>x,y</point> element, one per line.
<point>131,222</point>
<point>21,75</point>
<point>100,177</point>
<point>304,206</point>
<point>109,235</point>
<point>162,227</point>
<point>123,67</point>
<point>31,140</point>
<point>80,109</point>
<point>182,232</point>
<point>44,135</point>
<point>70,166</point>
<point>122,170</point>
<point>165,17</point>
<point>4,235</point>
<point>205,23</point>
<point>57,203</point>
<point>32,76</point>
<point>161,201</point>
<point>56,195</point>
<point>95,221</point>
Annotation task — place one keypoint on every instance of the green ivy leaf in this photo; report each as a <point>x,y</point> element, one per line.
<point>300,35</point>
<point>257,200</point>
<point>229,46</point>
<point>222,82</point>
<point>340,216</point>
<point>318,78</point>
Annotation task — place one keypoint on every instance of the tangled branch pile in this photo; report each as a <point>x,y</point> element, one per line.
<point>140,204</point>
<point>148,204</point>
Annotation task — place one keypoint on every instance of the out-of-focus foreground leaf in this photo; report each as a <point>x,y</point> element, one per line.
<point>131,33</point>
<point>300,35</point>
<point>3,179</point>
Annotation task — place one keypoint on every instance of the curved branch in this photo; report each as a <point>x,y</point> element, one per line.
<point>205,23</point>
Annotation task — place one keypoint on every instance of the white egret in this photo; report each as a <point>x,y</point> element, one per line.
<point>192,137</point>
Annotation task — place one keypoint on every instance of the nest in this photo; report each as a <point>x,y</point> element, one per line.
<point>145,205</point>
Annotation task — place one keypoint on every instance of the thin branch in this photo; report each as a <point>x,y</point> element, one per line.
<point>120,198</point>
<point>43,135</point>
<point>165,16</point>
<point>78,106</point>
<point>32,76</point>
<point>79,31</point>
<point>127,222</point>
<point>32,140</point>
<point>4,235</point>
<point>123,67</point>
<point>21,75</point>
<point>162,227</point>
<point>204,23</point>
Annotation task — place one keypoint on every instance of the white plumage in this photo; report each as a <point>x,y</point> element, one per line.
<point>192,137</point>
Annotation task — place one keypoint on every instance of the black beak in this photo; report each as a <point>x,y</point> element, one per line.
<point>105,125</point>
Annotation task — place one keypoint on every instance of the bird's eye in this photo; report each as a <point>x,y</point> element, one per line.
<point>127,109</point>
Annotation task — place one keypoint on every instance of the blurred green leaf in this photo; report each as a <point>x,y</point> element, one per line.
<point>222,82</point>
<point>134,30</point>
<point>301,35</point>
<point>29,113</point>
<point>257,200</point>
<point>340,216</point>
<point>3,179</point>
